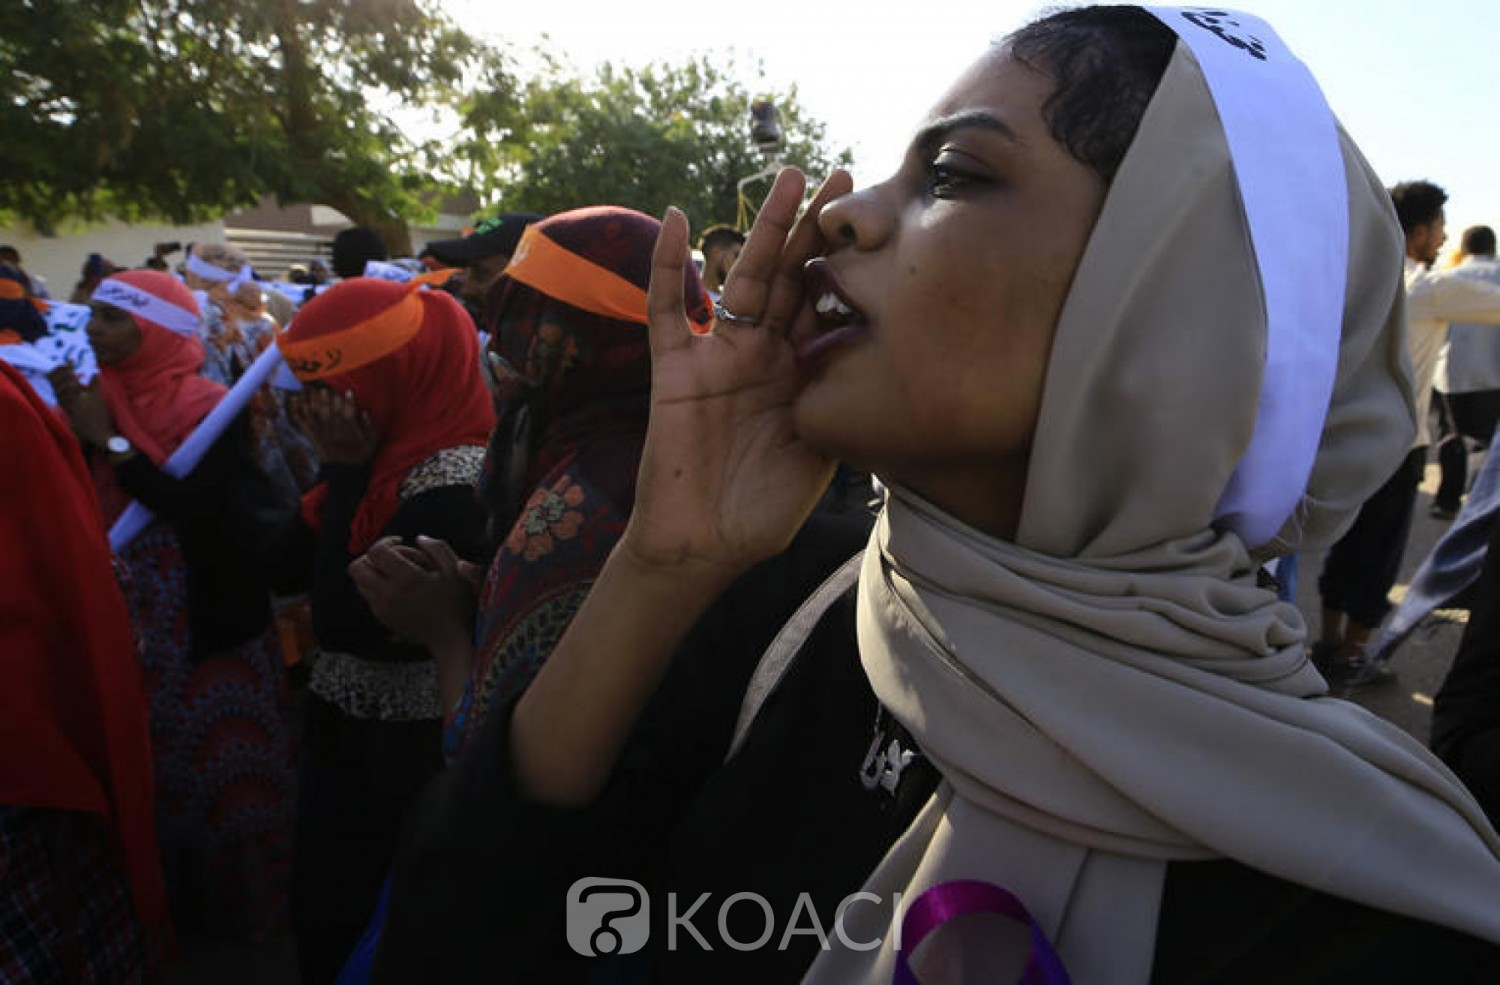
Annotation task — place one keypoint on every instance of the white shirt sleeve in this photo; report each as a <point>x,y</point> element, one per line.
<point>1443,297</point>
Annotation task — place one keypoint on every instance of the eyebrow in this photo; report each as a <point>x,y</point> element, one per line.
<point>972,119</point>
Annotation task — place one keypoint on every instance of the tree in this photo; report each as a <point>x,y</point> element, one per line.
<point>640,137</point>
<point>185,108</point>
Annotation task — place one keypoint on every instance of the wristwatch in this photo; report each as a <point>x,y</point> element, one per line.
<point>117,444</point>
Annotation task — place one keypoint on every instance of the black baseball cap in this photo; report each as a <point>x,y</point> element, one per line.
<point>492,236</point>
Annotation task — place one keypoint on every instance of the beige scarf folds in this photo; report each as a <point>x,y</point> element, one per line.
<point>1113,691</point>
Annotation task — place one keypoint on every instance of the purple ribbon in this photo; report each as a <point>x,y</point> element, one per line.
<point>948,900</point>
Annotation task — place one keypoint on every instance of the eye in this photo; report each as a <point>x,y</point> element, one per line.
<point>947,176</point>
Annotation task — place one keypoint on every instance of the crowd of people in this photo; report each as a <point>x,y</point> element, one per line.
<point>407,611</point>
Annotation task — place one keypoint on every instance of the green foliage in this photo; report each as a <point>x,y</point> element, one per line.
<point>640,137</point>
<point>183,108</point>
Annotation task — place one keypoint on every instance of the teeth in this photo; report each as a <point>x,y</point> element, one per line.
<point>830,304</point>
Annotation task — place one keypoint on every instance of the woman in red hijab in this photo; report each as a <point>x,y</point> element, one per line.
<point>78,854</point>
<point>200,605</point>
<point>394,402</point>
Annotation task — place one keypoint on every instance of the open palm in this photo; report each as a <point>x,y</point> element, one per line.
<point>724,479</point>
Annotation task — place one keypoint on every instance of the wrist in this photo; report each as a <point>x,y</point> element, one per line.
<point>450,640</point>
<point>116,447</point>
<point>682,576</point>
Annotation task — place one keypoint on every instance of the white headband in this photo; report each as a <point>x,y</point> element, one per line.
<point>385,270</point>
<point>148,306</point>
<point>219,275</point>
<point>1284,143</point>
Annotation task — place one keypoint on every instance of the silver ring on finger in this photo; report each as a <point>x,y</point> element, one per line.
<point>723,314</point>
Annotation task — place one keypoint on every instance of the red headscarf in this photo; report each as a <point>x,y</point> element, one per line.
<point>73,729</point>
<point>155,395</point>
<point>424,395</point>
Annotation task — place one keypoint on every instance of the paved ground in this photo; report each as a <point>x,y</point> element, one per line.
<point>1423,660</point>
<point>1421,664</point>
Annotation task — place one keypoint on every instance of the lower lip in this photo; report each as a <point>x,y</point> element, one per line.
<point>813,354</point>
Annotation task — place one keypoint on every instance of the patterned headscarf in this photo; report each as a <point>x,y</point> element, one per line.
<point>224,273</point>
<point>568,354</point>
<point>570,363</point>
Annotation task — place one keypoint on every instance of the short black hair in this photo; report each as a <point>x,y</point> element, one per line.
<point>355,246</point>
<point>1478,241</point>
<point>1106,63</point>
<point>1418,203</point>
<point>9,254</point>
<point>720,237</point>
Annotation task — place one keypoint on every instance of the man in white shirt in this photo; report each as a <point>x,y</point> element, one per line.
<point>1361,568</point>
<point>1467,378</point>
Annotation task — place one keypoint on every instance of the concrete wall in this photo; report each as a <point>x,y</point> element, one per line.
<point>60,258</point>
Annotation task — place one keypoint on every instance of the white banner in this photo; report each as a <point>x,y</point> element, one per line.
<point>66,343</point>
<point>191,452</point>
<point>384,270</point>
<point>1284,142</point>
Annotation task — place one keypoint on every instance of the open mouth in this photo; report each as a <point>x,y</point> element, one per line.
<point>837,319</point>
<point>833,310</point>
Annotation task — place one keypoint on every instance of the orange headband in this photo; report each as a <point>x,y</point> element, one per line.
<point>362,343</point>
<point>541,264</point>
<point>12,291</point>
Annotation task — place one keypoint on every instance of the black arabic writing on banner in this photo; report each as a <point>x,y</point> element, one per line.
<point>1219,22</point>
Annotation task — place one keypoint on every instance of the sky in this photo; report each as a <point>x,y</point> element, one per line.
<point>1411,80</point>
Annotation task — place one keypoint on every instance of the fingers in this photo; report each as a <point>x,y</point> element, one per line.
<point>666,317</point>
<point>63,380</point>
<point>440,555</point>
<point>748,288</point>
<point>388,561</point>
<point>366,428</point>
<point>370,583</point>
<point>805,242</point>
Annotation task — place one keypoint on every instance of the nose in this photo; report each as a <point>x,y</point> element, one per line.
<point>862,220</point>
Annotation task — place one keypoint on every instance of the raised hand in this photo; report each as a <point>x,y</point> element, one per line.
<point>725,480</point>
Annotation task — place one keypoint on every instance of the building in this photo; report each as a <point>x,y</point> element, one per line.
<point>274,236</point>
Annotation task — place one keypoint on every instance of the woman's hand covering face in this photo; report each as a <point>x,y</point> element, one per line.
<point>340,432</point>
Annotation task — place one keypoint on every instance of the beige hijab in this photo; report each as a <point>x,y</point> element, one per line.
<point>1113,691</point>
